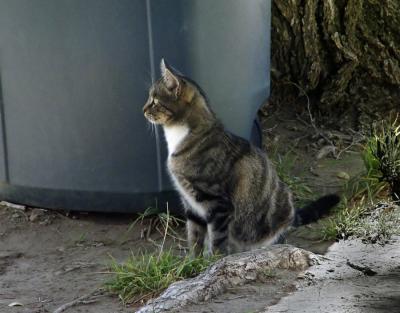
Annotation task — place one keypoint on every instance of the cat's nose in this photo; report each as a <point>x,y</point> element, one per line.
<point>145,108</point>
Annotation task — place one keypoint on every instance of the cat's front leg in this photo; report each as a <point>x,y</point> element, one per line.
<point>196,229</point>
<point>218,231</point>
<point>196,234</point>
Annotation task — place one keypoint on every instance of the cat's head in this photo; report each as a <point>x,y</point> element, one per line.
<point>175,99</point>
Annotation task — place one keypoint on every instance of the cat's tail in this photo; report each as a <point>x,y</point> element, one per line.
<point>316,210</point>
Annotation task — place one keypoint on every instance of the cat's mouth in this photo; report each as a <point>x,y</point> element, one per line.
<point>156,120</point>
<point>150,118</point>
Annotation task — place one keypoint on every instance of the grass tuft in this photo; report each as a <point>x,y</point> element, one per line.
<point>344,223</point>
<point>361,193</point>
<point>380,223</point>
<point>284,165</point>
<point>372,223</point>
<point>159,222</point>
<point>145,276</point>
<point>384,149</point>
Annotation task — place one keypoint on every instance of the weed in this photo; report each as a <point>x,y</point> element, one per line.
<point>367,185</point>
<point>373,223</point>
<point>384,148</point>
<point>145,276</point>
<point>344,223</point>
<point>381,223</point>
<point>284,165</point>
<point>157,221</point>
<point>81,239</point>
<point>360,194</point>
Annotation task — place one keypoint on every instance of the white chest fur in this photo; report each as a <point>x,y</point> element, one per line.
<point>174,135</point>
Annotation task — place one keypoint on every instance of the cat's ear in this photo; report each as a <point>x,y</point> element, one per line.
<point>171,80</point>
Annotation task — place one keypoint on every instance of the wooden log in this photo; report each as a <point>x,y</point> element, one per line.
<point>232,270</point>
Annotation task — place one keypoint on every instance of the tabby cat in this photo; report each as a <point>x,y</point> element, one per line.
<point>230,190</point>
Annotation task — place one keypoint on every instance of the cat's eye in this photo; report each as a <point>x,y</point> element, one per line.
<point>154,102</point>
<point>151,101</point>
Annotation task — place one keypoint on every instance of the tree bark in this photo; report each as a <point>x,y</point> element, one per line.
<point>344,55</point>
<point>230,271</point>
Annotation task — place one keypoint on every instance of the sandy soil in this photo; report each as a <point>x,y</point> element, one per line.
<point>48,259</point>
<point>54,259</point>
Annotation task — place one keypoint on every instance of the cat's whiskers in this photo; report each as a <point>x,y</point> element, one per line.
<point>151,127</point>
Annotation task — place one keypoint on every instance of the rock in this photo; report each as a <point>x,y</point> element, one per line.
<point>325,151</point>
<point>13,205</point>
<point>12,304</point>
<point>16,216</point>
<point>36,214</point>
<point>343,175</point>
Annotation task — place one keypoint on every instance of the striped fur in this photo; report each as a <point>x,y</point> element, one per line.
<point>230,190</point>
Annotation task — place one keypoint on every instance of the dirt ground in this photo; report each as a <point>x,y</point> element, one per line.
<point>53,259</point>
<point>50,258</point>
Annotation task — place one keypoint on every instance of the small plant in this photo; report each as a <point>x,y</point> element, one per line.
<point>367,186</point>
<point>284,164</point>
<point>145,276</point>
<point>365,189</point>
<point>157,221</point>
<point>360,192</point>
<point>381,223</point>
<point>384,147</point>
<point>344,223</point>
<point>82,238</point>
<point>372,223</point>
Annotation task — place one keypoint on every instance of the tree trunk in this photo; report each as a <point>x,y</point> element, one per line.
<point>344,55</point>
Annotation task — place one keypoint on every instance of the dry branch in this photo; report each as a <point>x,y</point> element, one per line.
<point>230,271</point>
<point>85,299</point>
